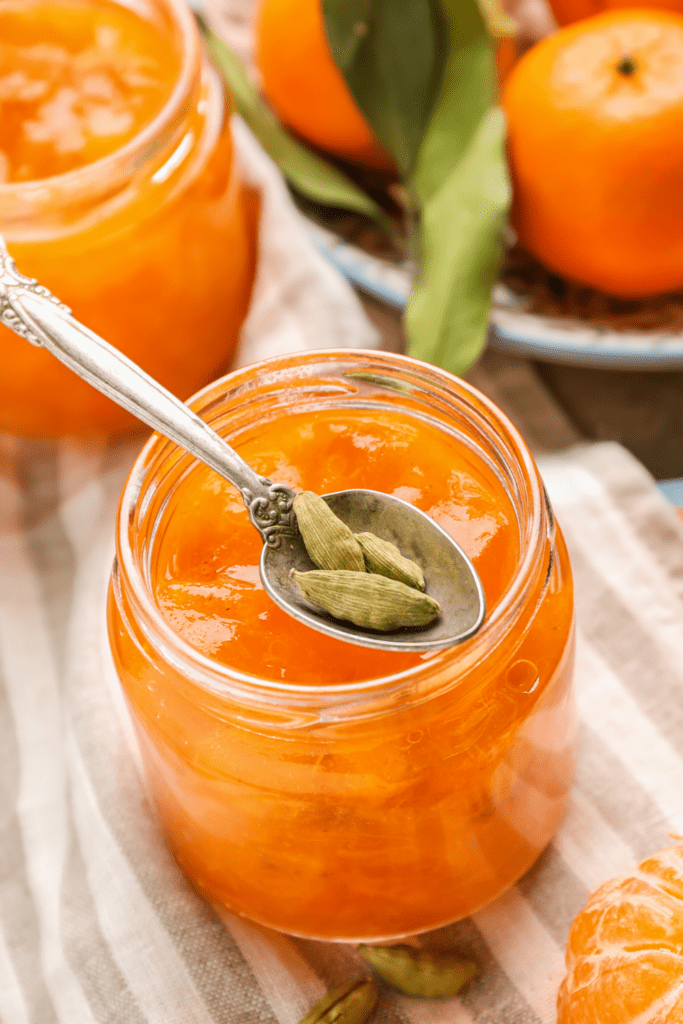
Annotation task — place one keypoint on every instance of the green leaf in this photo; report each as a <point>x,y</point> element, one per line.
<point>461,186</point>
<point>346,24</point>
<point>392,54</point>
<point>468,92</point>
<point>462,238</point>
<point>309,174</point>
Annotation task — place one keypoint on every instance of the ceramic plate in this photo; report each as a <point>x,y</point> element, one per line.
<point>513,329</point>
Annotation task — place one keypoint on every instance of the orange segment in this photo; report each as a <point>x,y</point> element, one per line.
<point>625,949</point>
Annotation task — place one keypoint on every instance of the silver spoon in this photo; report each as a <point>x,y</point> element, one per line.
<point>34,313</point>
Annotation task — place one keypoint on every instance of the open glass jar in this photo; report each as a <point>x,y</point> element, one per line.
<point>149,234</point>
<point>315,786</point>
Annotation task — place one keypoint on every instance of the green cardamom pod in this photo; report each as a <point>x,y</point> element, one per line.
<point>384,558</point>
<point>329,542</point>
<point>350,1003</point>
<point>420,972</point>
<point>373,602</point>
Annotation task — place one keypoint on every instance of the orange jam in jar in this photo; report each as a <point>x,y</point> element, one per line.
<point>318,787</point>
<point>118,192</point>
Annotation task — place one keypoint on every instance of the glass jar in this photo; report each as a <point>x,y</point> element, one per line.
<point>376,808</point>
<point>152,246</point>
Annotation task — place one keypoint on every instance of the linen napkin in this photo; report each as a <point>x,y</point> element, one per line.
<point>97,924</point>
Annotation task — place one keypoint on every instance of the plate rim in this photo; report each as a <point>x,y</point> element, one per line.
<point>516,331</point>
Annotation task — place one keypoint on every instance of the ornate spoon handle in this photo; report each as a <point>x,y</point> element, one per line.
<point>34,313</point>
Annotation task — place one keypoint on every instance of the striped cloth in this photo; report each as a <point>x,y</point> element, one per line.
<point>96,922</point>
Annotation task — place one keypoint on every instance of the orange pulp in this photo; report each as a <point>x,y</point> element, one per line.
<point>398,821</point>
<point>77,81</point>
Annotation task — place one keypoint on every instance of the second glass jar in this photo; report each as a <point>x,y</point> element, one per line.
<point>152,245</point>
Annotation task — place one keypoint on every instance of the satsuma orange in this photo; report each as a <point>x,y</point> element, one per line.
<point>568,11</point>
<point>625,949</point>
<point>595,144</point>
<point>305,87</point>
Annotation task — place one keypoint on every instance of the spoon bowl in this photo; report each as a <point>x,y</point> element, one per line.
<point>32,312</point>
<point>449,575</point>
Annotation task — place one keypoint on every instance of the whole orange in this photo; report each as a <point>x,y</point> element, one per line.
<point>567,11</point>
<point>625,949</point>
<point>305,87</point>
<point>595,145</point>
<point>506,55</point>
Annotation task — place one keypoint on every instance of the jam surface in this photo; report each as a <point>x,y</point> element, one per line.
<point>207,578</point>
<point>77,81</point>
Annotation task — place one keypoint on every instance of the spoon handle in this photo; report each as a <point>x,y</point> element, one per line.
<point>32,312</point>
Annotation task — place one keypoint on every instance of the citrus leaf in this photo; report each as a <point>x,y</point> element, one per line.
<point>346,25</point>
<point>392,55</point>
<point>467,93</point>
<point>462,238</point>
<point>461,185</point>
<point>309,174</point>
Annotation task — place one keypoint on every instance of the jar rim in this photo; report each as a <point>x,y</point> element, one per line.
<point>92,174</point>
<point>200,668</point>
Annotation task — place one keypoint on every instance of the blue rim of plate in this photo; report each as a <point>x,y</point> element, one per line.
<point>672,490</point>
<point>513,329</point>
